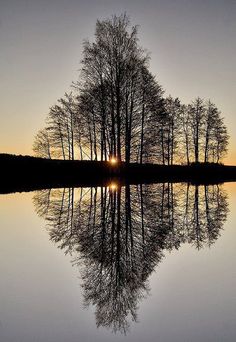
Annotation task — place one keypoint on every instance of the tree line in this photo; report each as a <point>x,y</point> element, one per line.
<point>117,109</point>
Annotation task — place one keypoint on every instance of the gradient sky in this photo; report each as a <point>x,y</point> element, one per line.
<point>192,45</point>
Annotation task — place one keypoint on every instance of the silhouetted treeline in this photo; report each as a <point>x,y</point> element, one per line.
<point>26,173</point>
<point>117,110</point>
<point>118,235</point>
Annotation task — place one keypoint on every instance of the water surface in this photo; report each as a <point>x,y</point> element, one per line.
<point>153,263</point>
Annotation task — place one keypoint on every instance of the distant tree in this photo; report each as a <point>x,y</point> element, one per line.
<point>173,123</point>
<point>197,117</point>
<point>56,128</point>
<point>88,103</point>
<point>221,140</point>
<point>159,134</point>
<point>42,144</point>
<point>186,132</point>
<point>166,128</point>
<point>210,125</point>
<point>62,125</point>
<point>204,136</point>
<point>151,105</point>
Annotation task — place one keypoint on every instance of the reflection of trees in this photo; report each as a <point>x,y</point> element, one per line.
<point>118,235</point>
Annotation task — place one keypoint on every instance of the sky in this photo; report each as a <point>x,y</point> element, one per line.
<point>192,45</point>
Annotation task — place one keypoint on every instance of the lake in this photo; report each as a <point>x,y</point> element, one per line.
<point>132,263</point>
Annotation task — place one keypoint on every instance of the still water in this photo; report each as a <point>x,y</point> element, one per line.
<point>135,263</point>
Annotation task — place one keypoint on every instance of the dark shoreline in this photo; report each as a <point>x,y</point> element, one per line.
<point>25,173</point>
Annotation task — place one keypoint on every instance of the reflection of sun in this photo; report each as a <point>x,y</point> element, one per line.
<point>113,186</point>
<point>113,160</point>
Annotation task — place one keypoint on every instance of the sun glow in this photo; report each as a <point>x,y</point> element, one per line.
<point>113,161</point>
<point>113,186</point>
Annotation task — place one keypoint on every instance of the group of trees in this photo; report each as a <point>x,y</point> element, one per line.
<point>118,109</point>
<point>189,133</point>
<point>118,236</point>
<point>62,133</point>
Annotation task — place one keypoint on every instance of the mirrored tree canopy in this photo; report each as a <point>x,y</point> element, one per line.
<point>117,235</point>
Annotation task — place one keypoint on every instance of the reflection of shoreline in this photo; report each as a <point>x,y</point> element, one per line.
<point>119,235</point>
<point>29,173</point>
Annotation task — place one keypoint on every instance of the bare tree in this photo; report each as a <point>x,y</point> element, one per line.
<point>172,109</point>
<point>120,89</point>
<point>221,139</point>
<point>197,115</point>
<point>42,144</point>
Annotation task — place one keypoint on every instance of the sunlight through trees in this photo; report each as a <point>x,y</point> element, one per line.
<point>117,110</point>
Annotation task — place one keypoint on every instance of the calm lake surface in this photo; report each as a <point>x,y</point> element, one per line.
<point>137,263</point>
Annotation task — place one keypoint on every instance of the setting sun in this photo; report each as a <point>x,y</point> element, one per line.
<point>113,186</point>
<point>113,160</point>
